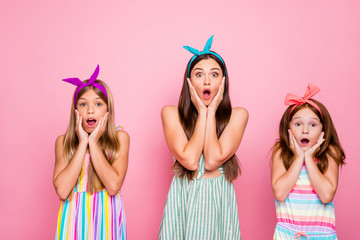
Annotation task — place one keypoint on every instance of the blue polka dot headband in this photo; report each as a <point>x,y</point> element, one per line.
<point>205,51</point>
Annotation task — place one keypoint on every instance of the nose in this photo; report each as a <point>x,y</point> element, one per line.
<point>305,130</point>
<point>207,80</point>
<point>90,109</point>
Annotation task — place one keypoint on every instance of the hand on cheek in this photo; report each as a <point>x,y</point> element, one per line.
<point>218,98</point>
<point>294,146</point>
<point>83,136</point>
<point>100,129</point>
<point>310,153</point>
<point>195,99</point>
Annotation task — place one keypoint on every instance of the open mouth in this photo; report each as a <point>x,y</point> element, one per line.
<point>91,122</point>
<point>206,94</point>
<point>304,141</point>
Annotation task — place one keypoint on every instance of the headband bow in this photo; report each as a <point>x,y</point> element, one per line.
<point>205,51</point>
<point>292,99</point>
<point>80,85</point>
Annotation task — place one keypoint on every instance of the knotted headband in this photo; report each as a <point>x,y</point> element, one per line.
<point>80,85</point>
<point>292,99</point>
<point>205,51</point>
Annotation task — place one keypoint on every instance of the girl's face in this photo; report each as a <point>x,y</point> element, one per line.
<point>306,128</point>
<point>91,108</point>
<point>206,77</point>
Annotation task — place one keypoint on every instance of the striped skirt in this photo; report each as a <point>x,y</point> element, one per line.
<point>91,216</point>
<point>200,209</point>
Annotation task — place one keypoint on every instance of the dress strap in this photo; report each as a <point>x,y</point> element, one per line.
<point>201,170</point>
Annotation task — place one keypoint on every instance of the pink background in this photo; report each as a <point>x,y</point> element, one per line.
<point>270,47</point>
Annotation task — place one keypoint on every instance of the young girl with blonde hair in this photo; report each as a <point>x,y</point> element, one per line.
<point>90,167</point>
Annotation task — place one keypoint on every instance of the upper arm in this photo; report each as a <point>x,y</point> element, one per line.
<point>232,135</point>
<point>174,133</point>
<point>60,162</point>
<point>277,166</point>
<point>120,164</point>
<point>332,173</point>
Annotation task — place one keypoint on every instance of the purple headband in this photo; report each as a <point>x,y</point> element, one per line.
<point>80,85</point>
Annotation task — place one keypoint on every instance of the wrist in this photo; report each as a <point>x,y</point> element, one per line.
<point>83,143</point>
<point>309,157</point>
<point>299,158</point>
<point>211,111</point>
<point>93,142</point>
<point>203,111</point>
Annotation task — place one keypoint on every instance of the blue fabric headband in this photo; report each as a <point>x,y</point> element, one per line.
<point>205,51</point>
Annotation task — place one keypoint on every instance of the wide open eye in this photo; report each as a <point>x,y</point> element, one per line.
<point>199,74</point>
<point>215,74</point>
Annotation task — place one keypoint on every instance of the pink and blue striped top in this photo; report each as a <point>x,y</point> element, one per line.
<point>302,215</point>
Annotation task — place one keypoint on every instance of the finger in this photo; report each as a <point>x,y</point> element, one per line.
<point>191,90</point>
<point>189,83</point>
<point>103,120</point>
<point>291,141</point>
<point>80,123</point>
<point>77,117</point>
<point>320,140</point>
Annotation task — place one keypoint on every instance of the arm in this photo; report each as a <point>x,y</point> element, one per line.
<point>283,181</point>
<point>112,175</point>
<point>66,174</point>
<point>218,150</point>
<point>325,185</point>
<point>187,152</point>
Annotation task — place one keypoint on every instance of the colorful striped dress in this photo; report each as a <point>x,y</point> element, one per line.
<point>200,209</point>
<point>302,215</point>
<point>91,215</point>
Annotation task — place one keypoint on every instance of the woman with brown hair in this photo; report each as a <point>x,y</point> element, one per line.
<point>203,133</point>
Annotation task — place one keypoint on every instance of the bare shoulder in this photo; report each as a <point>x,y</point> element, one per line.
<point>169,112</point>
<point>239,117</point>
<point>123,136</point>
<point>59,141</point>
<point>240,112</point>
<point>276,152</point>
<point>277,164</point>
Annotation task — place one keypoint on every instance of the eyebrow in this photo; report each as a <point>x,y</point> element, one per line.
<point>203,69</point>
<point>90,99</point>
<point>296,118</point>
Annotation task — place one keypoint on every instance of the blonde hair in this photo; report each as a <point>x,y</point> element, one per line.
<point>109,142</point>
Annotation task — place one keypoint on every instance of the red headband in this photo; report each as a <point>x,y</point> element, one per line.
<point>311,90</point>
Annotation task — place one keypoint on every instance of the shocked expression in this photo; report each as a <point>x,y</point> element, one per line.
<point>306,128</point>
<point>91,108</point>
<point>206,77</point>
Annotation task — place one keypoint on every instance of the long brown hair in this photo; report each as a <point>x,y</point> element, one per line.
<point>109,142</point>
<point>188,116</point>
<point>331,147</point>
